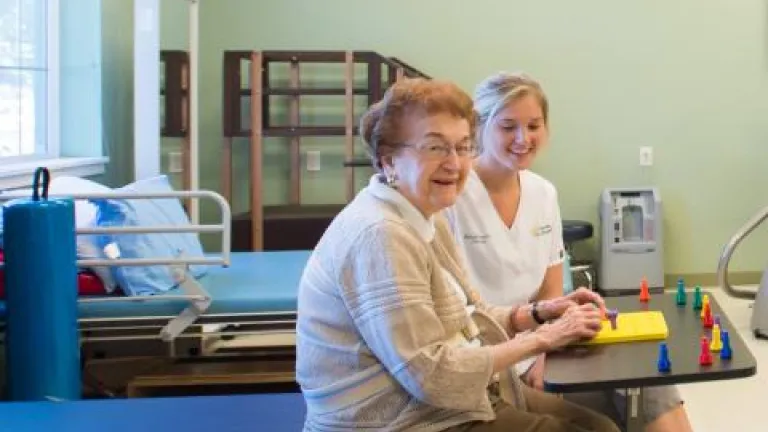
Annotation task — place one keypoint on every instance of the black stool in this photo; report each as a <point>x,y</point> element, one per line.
<point>575,231</point>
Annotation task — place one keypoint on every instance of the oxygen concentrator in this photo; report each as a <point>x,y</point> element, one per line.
<point>759,321</point>
<point>631,240</point>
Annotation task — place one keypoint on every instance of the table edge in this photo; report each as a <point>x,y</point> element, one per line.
<point>660,380</point>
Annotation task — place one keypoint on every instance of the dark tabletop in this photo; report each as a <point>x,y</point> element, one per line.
<point>633,364</point>
<point>236,413</point>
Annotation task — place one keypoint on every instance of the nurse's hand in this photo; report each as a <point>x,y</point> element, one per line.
<point>584,296</point>
<point>556,307</point>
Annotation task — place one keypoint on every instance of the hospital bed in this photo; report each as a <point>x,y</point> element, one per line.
<point>242,293</point>
<point>255,295</point>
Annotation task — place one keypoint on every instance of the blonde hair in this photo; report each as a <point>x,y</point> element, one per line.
<point>495,92</point>
<point>382,126</point>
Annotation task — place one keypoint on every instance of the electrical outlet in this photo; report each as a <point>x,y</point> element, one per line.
<point>646,156</point>
<point>313,160</point>
<point>175,164</point>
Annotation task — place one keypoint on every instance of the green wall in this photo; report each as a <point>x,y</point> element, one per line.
<point>689,78</point>
<point>117,81</point>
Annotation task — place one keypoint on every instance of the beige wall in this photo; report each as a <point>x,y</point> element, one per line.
<point>687,77</point>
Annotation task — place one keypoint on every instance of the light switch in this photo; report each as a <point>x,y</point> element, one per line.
<point>174,162</point>
<point>313,160</point>
<point>646,156</point>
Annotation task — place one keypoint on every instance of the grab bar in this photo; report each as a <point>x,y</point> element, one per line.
<point>725,257</point>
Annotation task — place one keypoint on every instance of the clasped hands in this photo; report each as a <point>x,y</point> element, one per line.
<point>570,318</point>
<point>581,299</point>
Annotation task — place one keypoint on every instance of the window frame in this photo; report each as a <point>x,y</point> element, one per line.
<point>53,102</point>
<point>17,171</point>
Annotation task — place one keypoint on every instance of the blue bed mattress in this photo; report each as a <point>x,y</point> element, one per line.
<point>255,282</point>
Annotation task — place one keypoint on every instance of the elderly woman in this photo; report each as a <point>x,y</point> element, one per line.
<point>390,335</point>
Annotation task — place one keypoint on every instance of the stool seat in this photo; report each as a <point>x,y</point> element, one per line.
<point>575,230</point>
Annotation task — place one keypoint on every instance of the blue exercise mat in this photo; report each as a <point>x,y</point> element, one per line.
<point>236,413</point>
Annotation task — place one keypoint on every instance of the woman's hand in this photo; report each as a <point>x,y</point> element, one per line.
<point>577,322</point>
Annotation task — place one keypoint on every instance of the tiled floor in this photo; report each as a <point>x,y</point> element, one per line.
<point>734,405</point>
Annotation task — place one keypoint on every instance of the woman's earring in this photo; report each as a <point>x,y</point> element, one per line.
<point>391,178</point>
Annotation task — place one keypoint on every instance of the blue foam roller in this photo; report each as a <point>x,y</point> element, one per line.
<point>42,347</point>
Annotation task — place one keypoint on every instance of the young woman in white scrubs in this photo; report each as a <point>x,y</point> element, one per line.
<point>507,221</point>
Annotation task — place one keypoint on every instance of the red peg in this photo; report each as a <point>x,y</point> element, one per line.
<point>705,357</point>
<point>708,321</point>
<point>645,293</point>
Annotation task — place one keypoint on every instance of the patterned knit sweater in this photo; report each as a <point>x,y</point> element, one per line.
<point>378,323</point>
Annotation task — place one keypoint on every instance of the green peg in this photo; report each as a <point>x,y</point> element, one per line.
<point>681,298</point>
<point>697,301</point>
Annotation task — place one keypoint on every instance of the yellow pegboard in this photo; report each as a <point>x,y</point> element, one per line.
<point>632,327</point>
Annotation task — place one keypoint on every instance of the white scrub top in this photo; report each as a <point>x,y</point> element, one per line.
<point>507,264</point>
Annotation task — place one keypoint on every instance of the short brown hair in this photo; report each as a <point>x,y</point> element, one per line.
<point>381,126</point>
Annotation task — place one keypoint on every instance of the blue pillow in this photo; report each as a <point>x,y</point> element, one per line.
<point>147,280</point>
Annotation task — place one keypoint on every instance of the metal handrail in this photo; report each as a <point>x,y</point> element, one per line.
<point>730,247</point>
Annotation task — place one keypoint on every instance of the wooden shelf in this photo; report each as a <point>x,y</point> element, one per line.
<point>183,92</point>
<point>298,131</point>
<point>214,377</point>
<point>316,56</point>
<point>358,163</point>
<point>261,226</point>
<point>294,131</point>
<point>285,227</point>
<point>173,133</point>
<point>308,92</point>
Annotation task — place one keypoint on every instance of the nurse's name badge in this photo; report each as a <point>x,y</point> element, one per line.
<point>476,238</point>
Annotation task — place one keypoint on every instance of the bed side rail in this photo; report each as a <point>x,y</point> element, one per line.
<point>224,227</point>
<point>199,300</point>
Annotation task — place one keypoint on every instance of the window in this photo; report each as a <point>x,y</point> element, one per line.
<point>38,85</point>
<point>27,80</point>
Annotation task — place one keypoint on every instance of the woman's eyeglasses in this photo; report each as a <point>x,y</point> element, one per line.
<point>437,149</point>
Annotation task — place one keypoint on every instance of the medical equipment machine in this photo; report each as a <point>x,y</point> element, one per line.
<point>631,240</point>
<point>759,321</point>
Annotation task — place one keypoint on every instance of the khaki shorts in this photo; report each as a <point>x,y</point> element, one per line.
<point>613,403</point>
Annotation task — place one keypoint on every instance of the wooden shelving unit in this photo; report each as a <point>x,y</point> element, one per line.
<point>381,72</point>
<point>175,99</point>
